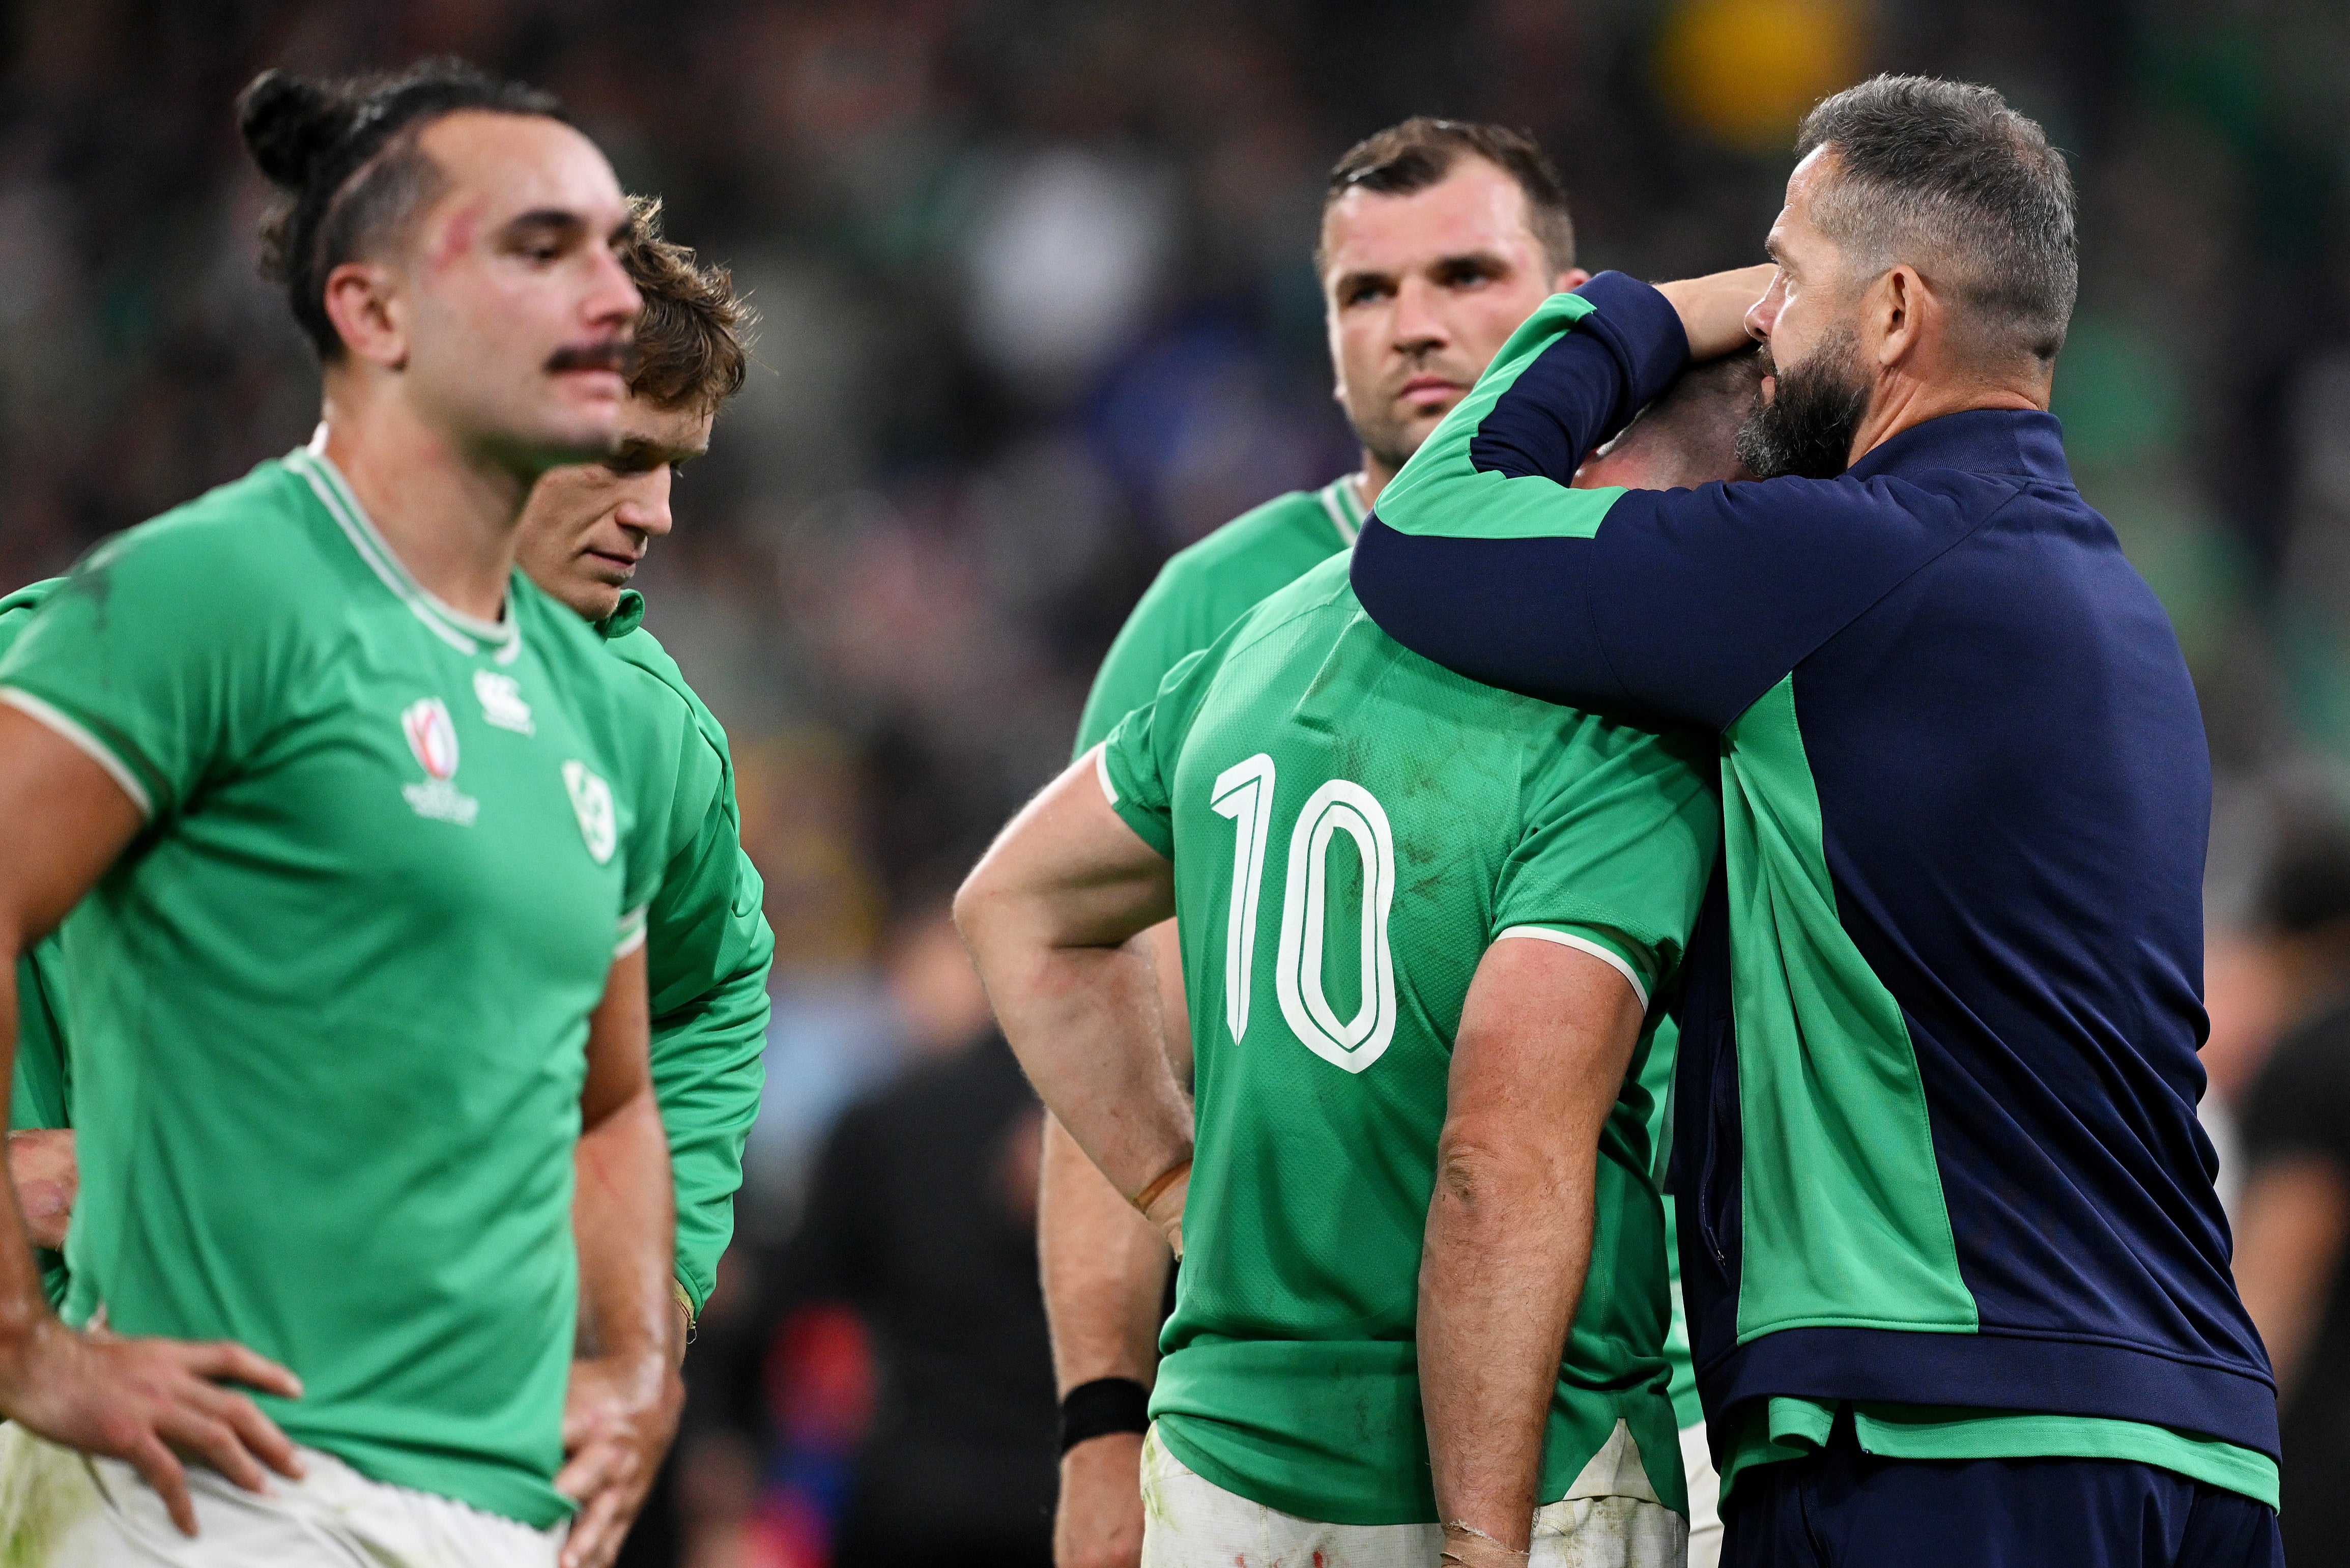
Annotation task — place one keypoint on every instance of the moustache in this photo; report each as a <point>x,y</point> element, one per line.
<point>617,355</point>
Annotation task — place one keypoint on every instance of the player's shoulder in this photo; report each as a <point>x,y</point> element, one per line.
<point>1266,547</point>
<point>18,607</point>
<point>243,526</point>
<point>651,677</point>
<point>244,554</point>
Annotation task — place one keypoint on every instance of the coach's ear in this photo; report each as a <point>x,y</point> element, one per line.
<point>1570,280</point>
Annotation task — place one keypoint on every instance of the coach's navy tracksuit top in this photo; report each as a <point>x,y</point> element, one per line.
<point>1935,1137</point>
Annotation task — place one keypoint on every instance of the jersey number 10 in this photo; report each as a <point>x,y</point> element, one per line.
<point>1244,792</point>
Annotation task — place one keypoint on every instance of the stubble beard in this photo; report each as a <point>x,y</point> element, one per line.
<point>1806,430</point>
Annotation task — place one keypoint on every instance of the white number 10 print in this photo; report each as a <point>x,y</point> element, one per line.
<point>1244,792</point>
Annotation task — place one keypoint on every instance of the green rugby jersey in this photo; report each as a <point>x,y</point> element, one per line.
<point>328,1010</point>
<point>1203,589</point>
<point>707,949</point>
<point>41,1091</point>
<point>1351,827</point>
<point>1195,598</point>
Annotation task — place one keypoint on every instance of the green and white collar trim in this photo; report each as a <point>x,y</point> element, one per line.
<point>1343,500</point>
<point>468,634</point>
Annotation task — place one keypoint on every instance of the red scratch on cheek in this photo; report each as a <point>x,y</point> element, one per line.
<point>457,239</point>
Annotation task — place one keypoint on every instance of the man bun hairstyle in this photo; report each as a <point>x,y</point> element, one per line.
<point>691,336</point>
<point>1421,152</point>
<point>344,159</point>
<point>1946,177</point>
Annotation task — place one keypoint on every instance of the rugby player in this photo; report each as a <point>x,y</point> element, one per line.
<point>362,979</point>
<point>1423,923</point>
<point>1439,239</point>
<point>707,944</point>
<point>1957,1278</point>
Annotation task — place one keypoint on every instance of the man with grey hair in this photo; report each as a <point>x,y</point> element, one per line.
<point>1957,1282</point>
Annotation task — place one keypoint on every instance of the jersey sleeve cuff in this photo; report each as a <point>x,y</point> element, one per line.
<point>1152,828</point>
<point>1604,945</point>
<point>630,935</point>
<point>1641,328</point>
<point>79,735</point>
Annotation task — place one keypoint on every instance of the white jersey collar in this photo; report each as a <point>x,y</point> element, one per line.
<point>467,633</point>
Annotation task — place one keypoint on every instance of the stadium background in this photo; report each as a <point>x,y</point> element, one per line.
<point>1039,310</point>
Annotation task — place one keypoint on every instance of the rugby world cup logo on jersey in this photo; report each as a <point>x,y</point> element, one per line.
<point>433,740</point>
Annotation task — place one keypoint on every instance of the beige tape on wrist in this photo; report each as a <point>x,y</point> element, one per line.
<point>1471,1530</point>
<point>1165,1179</point>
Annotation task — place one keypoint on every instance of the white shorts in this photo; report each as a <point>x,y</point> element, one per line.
<point>1191,1522</point>
<point>1705,1499</point>
<point>59,1509</point>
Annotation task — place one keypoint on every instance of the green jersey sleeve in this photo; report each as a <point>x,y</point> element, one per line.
<point>709,949</point>
<point>1165,625</point>
<point>1137,764</point>
<point>708,1051</point>
<point>40,1090</point>
<point>1619,838</point>
<point>160,658</point>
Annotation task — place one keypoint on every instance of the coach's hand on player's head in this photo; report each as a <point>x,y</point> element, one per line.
<point>41,1163</point>
<point>149,1402</point>
<point>1714,308</point>
<point>617,1418</point>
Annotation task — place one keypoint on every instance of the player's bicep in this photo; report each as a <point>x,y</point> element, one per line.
<point>619,1034</point>
<point>1546,1036</point>
<point>1069,870</point>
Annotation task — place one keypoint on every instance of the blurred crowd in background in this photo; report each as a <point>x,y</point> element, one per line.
<point>1039,309</point>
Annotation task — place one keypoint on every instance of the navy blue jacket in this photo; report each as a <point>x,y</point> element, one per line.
<point>1935,1133</point>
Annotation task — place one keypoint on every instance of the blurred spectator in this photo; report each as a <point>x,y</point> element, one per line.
<point>2292,1253</point>
<point>921,1222</point>
<point>923,1219</point>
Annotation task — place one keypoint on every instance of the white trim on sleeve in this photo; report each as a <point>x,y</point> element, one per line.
<point>633,927</point>
<point>82,741</point>
<point>1101,772</point>
<point>1584,944</point>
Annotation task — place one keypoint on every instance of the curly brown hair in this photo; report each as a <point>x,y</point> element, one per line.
<point>693,337</point>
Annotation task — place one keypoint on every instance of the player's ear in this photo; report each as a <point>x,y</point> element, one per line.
<point>1573,278</point>
<point>363,301</point>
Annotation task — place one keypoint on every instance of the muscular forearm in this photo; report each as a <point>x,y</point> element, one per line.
<point>1084,1021</point>
<point>1105,1271</point>
<point>1508,1243</point>
<point>622,1217</point>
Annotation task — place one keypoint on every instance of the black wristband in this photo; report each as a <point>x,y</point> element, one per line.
<point>1106,1404</point>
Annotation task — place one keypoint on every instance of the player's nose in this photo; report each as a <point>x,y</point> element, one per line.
<point>1417,326</point>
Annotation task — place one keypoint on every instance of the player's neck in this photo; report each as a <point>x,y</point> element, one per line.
<point>1373,479</point>
<point>448,514</point>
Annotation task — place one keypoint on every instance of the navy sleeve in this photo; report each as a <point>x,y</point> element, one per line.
<point>1664,606</point>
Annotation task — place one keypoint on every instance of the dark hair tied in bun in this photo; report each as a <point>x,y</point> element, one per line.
<point>345,154</point>
<point>288,123</point>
